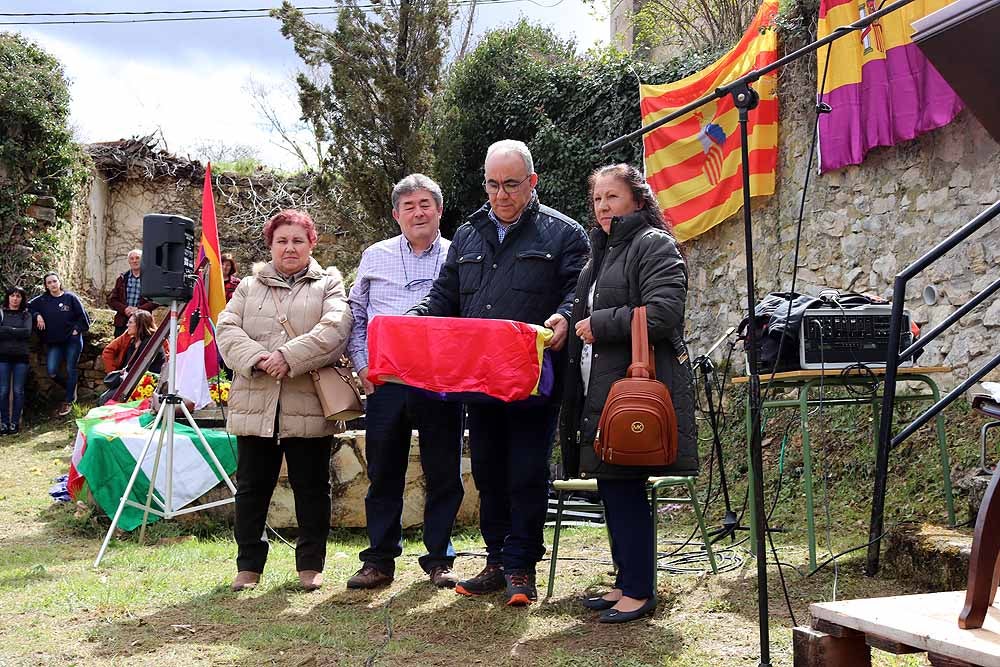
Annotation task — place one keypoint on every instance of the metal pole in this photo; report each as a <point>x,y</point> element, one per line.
<point>171,409</point>
<point>745,99</point>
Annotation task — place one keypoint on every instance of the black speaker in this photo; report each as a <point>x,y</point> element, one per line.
<point>167,258</point>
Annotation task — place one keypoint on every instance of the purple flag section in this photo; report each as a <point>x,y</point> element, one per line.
<point>899,98</point>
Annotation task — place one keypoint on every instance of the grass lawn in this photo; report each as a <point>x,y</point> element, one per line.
<point>168,603</point>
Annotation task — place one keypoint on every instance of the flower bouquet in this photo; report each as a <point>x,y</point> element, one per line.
<point>145,388</point>
<point>218,389</point>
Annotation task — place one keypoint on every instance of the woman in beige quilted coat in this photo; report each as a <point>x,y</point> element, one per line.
<point>273,408</point>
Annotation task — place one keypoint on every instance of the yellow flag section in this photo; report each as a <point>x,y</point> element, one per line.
<point>693,163</point>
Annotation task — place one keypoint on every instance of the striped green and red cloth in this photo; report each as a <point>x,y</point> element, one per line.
<point>109,440</point>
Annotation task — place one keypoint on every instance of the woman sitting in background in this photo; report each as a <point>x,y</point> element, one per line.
<point>121,352</point>
<point>635,262</point>
<point>15,335</point>
<point>230,274</point>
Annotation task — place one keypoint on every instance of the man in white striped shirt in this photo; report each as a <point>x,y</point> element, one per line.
<point>394,275</point>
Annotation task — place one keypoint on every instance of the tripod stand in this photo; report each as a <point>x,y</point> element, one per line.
<point>703,363</point>
<point>163,427</point>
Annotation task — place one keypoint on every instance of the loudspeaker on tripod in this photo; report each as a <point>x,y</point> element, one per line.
<point>167,258</point>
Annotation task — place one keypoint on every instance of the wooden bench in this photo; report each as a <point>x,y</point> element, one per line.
<point>843,633</point>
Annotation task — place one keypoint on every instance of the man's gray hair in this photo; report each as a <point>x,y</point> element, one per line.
<point>513,146</point>
<point>135,251</point>
<point>413,183</point>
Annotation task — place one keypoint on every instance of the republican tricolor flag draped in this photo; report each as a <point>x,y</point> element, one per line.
<point>693,163</point>
<point>880,87</point>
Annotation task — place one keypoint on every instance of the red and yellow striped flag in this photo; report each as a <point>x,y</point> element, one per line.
<point>693,163</point>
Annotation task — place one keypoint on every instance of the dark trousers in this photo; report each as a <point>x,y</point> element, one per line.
<point>510,464</point>
<point>13,375</point>
<point>257,466</point>
<point>393,411</point>
<point>629,519</point>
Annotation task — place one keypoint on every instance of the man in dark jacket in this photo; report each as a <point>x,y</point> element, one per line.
<point>126,297</point>
<point>514,259</point>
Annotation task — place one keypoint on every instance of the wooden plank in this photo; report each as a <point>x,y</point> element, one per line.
<point>926,622</point>
<point>837,372</point>
<point>944,661</point>
<point>813,648</point>
<point>890,646</point>
<point>835,630</point>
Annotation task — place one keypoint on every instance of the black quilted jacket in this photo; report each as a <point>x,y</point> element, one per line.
<point>527,278</point>
<point>638,265</point>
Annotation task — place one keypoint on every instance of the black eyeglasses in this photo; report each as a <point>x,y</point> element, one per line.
<point>415,284</point>
<point>509,186</point>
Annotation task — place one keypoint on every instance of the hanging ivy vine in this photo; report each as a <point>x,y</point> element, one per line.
<point>38,158</point>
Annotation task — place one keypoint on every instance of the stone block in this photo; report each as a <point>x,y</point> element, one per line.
<point>933,558</point>
<point>45,202</point>
<point>349,485</point>
<point>41,213</point>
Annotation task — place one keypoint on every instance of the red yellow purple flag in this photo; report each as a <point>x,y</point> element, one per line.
<point>210,248</point>
<point>881,88</point>
<point>693,163</point>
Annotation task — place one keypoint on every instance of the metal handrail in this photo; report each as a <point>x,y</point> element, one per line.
<point>886,441</point>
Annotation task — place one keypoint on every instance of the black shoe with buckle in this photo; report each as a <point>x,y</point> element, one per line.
<point>521,589</point>
<point>490,580</point>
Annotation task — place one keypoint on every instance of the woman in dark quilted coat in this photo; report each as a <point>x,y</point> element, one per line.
<point>635,262</point>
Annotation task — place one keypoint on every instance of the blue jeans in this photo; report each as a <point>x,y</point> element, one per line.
<point>629,518</point>
<point>510,464</point>
<point>13,375</point>
<point>68,352</point>
<point>393,411</point>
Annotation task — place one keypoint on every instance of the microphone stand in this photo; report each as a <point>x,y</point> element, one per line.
<point>745,99</point>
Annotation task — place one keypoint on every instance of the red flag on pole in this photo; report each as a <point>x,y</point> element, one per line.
<point>213,284</point>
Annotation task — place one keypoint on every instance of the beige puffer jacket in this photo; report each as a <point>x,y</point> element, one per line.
<point>317,311</point>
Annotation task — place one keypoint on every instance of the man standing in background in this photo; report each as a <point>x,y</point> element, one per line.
<point>126,297</point>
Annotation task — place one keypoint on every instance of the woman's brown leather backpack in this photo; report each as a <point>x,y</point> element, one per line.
<point>638,426</point>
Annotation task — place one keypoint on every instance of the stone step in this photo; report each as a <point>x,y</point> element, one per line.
<point>934,558</point>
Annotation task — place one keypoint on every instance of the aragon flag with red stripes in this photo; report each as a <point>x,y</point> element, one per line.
<point>693,163</point>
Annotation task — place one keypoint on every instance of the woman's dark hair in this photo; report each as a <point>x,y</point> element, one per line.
<point>15,290</point>
<point>641,191</point>
<point>143,324</point>
<point>51,273</point>
<point>228,257</point>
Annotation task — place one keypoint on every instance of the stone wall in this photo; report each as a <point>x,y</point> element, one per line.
<point>863,224</point>
<point>107,223</point>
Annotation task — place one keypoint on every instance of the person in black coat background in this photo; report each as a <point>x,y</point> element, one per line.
<point>15,335</point>
<point>635,262</point>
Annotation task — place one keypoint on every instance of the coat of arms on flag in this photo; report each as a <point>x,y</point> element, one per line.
<point>693,163</point>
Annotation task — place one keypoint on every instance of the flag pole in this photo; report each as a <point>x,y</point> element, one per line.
<point>745,99</point>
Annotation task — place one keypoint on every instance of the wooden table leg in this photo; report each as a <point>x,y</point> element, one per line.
<point>813,648</point>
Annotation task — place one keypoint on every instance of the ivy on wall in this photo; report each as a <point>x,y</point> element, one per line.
<point>37,158</point>
<point>524,82</point>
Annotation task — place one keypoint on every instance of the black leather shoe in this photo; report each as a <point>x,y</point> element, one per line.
<point>597,603</point>
<point>615,616</point>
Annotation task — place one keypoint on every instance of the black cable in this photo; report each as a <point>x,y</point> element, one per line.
<point>218,16</point>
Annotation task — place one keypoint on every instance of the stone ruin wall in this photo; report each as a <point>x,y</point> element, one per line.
<point>861,226</point>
